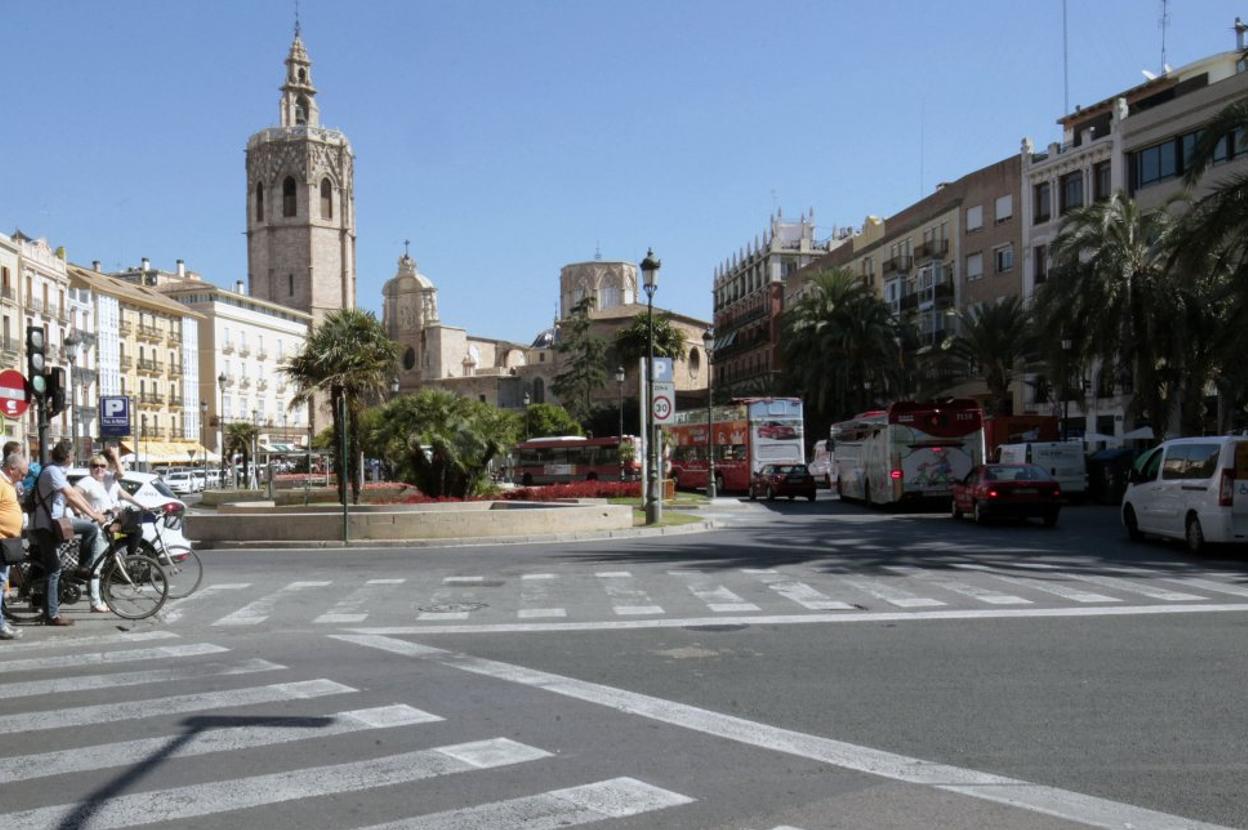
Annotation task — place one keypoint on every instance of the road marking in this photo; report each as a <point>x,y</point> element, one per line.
<point>615,798</point>
<point>798,592</point>
<point>199,800</point>
<point>627,597</point>
<point>207,735</point>
<point>82,683</point>
<point>347,610</point>
<point>1051,801</point>
<point>809,619</point>
<point>985,595</point>
<point>1057,590</point>
<point>104,658</point>
<point>90,640</point>
<point>176,705</point>
<point>257,612</point>
<point>539,576</point>
<point>716,597</point>
<point>450,597</point>
<point>174,610</point>
<point>535,597</point>
<point>462,580</point>
<point>1195,582</point>
<point>1120,584</point>
<point>891,594</point>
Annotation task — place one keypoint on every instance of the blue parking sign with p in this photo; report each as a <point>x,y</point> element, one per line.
<point>114,416</point>
<point>662,369</point>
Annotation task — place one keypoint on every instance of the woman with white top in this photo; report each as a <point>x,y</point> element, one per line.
<point>103,492</point>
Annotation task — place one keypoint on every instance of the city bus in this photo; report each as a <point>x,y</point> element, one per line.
<point>561,459</point>
<point>749,433</point>
<point>909,451</point>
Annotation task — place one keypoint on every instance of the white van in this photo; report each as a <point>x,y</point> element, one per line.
<point>1194,489</point>
<point>1064,460</point>
<point>822,465</point>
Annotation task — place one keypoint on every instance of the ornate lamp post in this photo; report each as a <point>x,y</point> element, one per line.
<point>1067,347</point>
<point>619,382</point>
<point>526,416</point>
<point>221,422</point>
<point>394,387</point>
<point>708,346</point>
<point>142,435</point>
<point>654,498</point>
<point>253,480</point>
<point>203,426</point>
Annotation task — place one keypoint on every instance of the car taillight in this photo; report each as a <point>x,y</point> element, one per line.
<point>895,475</point>
<point>992,494</point>
<point>172,507</point>
<point>1226,491</point>
<point>1057,492</point>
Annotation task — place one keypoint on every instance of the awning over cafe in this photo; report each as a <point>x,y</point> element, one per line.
<point>166,452</point>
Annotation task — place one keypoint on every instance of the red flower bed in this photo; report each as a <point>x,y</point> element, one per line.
<point>552,492</point>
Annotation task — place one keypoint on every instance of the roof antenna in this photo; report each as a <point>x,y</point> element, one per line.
<point>1164,22</point>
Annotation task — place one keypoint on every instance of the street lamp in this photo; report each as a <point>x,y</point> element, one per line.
<point>708,346</point>
<point>394,386</point>
<point>619,381</point>
<point>526,416</point>
<point>1067,347</point>
<point>71,353</point>
<point>221,422</point>
<point>252,480</point>
<point>654,502</point>
<point>143,437</point>
<point>203,437</point>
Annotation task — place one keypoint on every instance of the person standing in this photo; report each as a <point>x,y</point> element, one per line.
<point>52,494</point>
<point>14,467</point>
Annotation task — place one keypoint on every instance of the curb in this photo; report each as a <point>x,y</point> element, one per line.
<point>481,541</point>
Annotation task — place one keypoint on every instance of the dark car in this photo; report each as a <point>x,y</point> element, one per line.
<point>1016,491</point>
<point>774,480</point>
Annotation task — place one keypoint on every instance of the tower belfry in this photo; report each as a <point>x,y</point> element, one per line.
<point>301,202</point>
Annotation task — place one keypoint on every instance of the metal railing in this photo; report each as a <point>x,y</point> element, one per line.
<point>149,333</point>
<point>227,348</point>
<point>151,366</point>
<point>125,327</point>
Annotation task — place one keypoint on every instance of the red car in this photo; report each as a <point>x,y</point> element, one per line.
<point>1016,491</point>
<point>774,480</point>
<point>776,432</point>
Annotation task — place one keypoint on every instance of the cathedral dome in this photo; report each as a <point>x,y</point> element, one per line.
<point>409,272</point>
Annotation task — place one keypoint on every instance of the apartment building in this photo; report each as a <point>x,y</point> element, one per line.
<point>43,289</point>
<point>11,336</point>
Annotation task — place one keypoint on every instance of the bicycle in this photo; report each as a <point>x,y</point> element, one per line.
<point>133,587</point>
<point>182,565</point>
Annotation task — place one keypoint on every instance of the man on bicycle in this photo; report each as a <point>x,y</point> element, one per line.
<point>52,493</point>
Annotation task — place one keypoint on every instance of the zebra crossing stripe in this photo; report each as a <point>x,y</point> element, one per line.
<point>1056,589</point>
<point>717,598</point>
<point>347,610</point>
<point>257,612</point>
<point>90,640</point>
<point>798,592</point>
<point>199,800</point>
<point>1119,584</point>
<point>104,658</point>
<point>890,594</point>
<point>82,683</point>
<point>614,798</point>
<point>985,595</point>
<point>1195,582</point>
<point>175,705</point>
<point>535,598</point>
<point>281,730</point>
<point>627,598</point>
<point>175,609</point>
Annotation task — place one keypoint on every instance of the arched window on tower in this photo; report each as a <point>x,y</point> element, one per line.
<point>288,197</point>
<point>301,110</point>
<point>259,201</point>
<point>327,199</point>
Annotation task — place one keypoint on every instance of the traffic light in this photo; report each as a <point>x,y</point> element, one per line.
<point>56,391</point>
<point>36,361</point>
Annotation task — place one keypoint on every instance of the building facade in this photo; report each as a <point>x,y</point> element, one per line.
<point>611,284</point>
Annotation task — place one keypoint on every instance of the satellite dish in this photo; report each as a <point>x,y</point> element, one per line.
<point>1148,76</point>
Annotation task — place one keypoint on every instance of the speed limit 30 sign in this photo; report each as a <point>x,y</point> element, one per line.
<point>663,406</point>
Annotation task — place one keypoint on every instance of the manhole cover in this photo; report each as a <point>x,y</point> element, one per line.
<point>451,607</point>
<point>716,628</point>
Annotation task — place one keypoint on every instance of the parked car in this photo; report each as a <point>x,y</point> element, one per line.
<point>774,480</point>
<point>822,465</point>
<point>1194,489</point>
<point>1017,491</point>
<point>182,482</point>
<point>1064,460</point>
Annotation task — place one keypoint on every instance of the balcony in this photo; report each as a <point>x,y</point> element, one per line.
<point>262,385</point>
<point>8,294</point>
<point>909,302</point>
<point>229,380</point>
<point>53,353</point>
<point>175,369</point>
<point>151,433</point>
<point>244,383</point>
<point>150,400</point>
<point>227,348</point>
<point>85,376</point>
<point>174,338</point>
<point>932,249</point>
<point>899,263</point>
<point>10,345</point>
<point>125,327</point>
<point>261,354</point>
<point>244,350</point>
<point>151,367</point>
<point>34,304</point>
<point>127,363</point>
<point>175,402</point>
<point>150,333</point>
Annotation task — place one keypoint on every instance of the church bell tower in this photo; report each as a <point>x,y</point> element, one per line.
<point>301,202</point>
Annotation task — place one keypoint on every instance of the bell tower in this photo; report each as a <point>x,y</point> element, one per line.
<point>301,202</point>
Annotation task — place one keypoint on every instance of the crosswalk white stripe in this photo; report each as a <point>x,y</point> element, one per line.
<point>717,598</point>
<point>891,594</point>
<point>798,592</point>
<point>258,611</point>
<point>539,576</point>
<point>199,800</point>
<point>541,613</point>
<point>1118,583</point>
<point>1054,588</point>
<point>279,730</point>
<point>985,595</point>
<point>462,580</point>
<point>614,798</point>
<point>347,610</point>
<point>87,682</point>
<point>1046,800</point>
<point>626,595</point>
<point>535,597</point>
<point>175,705</point>
<point>108,658</point>
<point>174,610</point>
<point>88,640</point>
<point>449,596</point>
<point>1193,581</point>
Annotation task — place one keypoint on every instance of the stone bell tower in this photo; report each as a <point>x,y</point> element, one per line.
<point>301,203</point>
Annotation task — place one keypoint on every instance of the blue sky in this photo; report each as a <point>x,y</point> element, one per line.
<point>511,137</point>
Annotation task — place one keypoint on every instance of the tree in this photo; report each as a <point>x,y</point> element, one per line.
<point>996,344</point>
<point>632,342</point>
<point>841,345</point>
<point>349,357</point>
<point>543,419</point>
<point>1111,292</point>
<point>239,438</point>
<point>583,358</point>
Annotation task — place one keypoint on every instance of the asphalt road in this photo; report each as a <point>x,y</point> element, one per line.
<point>806,666</point>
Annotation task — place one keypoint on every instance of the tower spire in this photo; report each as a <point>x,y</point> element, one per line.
<point>296,19</point>
<point>298,107</point>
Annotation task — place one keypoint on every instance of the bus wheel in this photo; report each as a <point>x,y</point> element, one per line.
<point>527,480</point>
<point>866,492</point>
<point>719,484</point>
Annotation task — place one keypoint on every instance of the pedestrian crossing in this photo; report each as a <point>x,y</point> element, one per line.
<point>201,704</point>
<point>695,592</point>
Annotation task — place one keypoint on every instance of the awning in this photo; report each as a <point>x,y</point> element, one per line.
<point>166,452</point>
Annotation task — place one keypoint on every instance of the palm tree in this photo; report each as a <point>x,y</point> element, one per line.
<point>841,344</point>
<point>348,357</point>
<point>996,343</point>
<point>632,342</point>
<point>1112,293</point>
<point>239,438</point>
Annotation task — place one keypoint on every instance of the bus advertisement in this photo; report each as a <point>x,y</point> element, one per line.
<point>561,459</point>
<point>910,450</point>
<point>748,433</point>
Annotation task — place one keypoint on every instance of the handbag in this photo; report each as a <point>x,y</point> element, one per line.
<point>12,552</point>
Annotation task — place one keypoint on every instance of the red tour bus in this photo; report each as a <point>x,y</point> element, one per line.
<point>561,459</point>
<point>749,433</point>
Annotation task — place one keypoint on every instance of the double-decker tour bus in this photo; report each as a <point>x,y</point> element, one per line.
<point>749,433</point>
<point>910,450</point>
<point>561,459</point>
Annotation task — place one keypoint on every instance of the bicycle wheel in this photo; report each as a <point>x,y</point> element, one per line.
<point>183,568</point>
<point>25,601</point>
<point>134,587</point>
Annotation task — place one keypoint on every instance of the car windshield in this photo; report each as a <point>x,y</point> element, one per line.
<point>791,469</point>
<point>1028,472</point>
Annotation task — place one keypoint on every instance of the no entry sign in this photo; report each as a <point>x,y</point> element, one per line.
<point>14,399</point>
